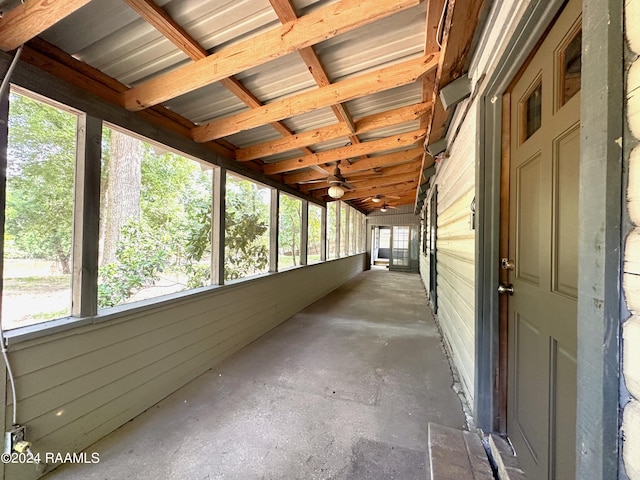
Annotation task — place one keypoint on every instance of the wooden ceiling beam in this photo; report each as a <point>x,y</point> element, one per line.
<point>51,59</point>
<point>365,183</point>
<point>297,140</point>
<point>350,151</point>
<point>359,166</point>
<point>382,161</point>
<point>286,13</point>
<point>366,84</point>
<point>31,18</point>
<point>386,181</point>
<point>400,190</point>
<point>160,19</point>
<point>167,26</point>
<point>412,167</point>
<point>435,10</point>
<point>460,26</point>
<point>332,132</point>
<point>319,25</point>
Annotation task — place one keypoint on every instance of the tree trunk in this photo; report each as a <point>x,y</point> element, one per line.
<point>123,189</point>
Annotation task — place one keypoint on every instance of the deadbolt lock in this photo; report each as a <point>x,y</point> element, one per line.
<point>507,264</point>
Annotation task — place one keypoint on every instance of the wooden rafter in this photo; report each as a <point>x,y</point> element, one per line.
<point>286,13</point>
<point>387,160</point>
<point>434,16</point>
<point>332,132</point>
<point>31,18</point>
<point>372,181</point>
<point>308,30</point>
<point>383,144</point>
<point>386,181</point>
<point>400,189</point>
<point>459,27</point>
<point>369,83</point>
<point>51,59</point>
<point>162,22</point>
<point>168,27</point>
<point>412,167</point>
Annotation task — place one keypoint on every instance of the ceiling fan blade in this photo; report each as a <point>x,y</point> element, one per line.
<point>348,186</point>
<point>392,196</point>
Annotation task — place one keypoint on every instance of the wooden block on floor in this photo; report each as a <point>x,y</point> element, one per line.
<point>456,454</point>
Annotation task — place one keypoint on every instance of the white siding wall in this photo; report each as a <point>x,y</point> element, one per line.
<point>631,278</point>
<point>77,386</point>
<point>455,178</point>
<point>455,285</point>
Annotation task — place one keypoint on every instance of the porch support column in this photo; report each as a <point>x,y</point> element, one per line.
<point>304,234</point>
<point>599,289</point>
<point>86,222</point>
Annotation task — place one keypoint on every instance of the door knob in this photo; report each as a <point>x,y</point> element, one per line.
<point>502,288</point>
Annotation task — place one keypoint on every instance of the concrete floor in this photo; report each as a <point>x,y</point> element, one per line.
<point>344,390</point>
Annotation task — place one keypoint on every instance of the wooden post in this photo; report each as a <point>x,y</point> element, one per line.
<point>86,220</point>
<point>218,225</point>
<point>274,230</point>
<point>304,233</point>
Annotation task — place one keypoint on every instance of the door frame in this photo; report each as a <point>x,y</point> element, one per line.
<point>599,314</point>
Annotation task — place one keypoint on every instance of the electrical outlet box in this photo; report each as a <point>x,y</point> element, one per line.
<point>17,434</point>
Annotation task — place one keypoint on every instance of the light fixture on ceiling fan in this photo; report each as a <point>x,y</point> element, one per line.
<point>379,198</point>
<point>385,207</point>
<point>337,183</point>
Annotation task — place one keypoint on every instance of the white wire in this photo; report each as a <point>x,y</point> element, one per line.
<point>3,90</point>
<point>441,23</point>
<point>11,380</point>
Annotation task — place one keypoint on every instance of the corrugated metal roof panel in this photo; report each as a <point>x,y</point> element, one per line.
<point>387,100</point>
<point>200,105</point>
<point>311,120</point>
<point>89,24</point>
<point>253,136</point>
<point>279,78</point>
<point>217,24</point>
<point>110,36</point>
<point>385,42</point>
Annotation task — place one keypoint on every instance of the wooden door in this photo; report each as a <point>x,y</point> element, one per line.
<point>544,145</point>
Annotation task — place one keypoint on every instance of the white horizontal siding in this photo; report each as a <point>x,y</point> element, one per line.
<point>77,386</point>
<point>455,180</point>
<point>456,174</point>
<point>631,274</point>
<point>455,284</point>
<point>501,26</point>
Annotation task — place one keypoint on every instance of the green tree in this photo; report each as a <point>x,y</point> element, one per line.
<point>141,255</point>
<point>168,226</point>
<point>40,178</point>
<point>169,234</point>
<point>314,233</point>
<point>246,233</point>
<point>290,223</point>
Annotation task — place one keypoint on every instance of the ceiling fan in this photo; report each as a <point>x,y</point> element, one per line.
<point>385,206</point>
<point>337,183</point>
<point>379,198</point>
